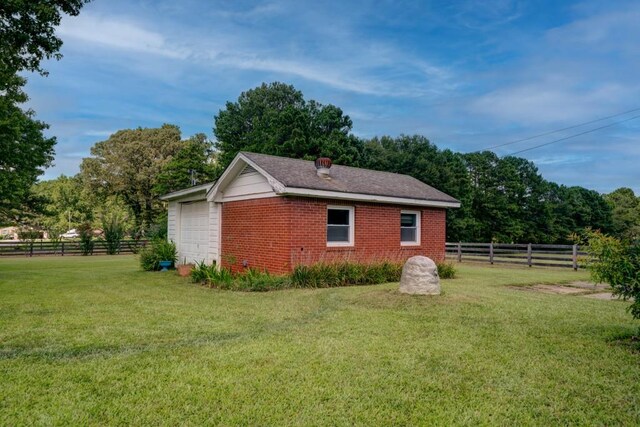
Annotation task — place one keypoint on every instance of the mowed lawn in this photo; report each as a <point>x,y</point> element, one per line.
<point>94,340</point>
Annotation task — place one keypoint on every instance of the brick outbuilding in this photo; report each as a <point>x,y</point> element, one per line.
<point>274,213</point>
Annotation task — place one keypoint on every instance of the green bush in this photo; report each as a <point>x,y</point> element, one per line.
<point>327,275</point>
<point>259,281</point>
<point>156,251</point>
<point>251,280</point>
<point>616,263</point>
<point>113,229</point>
<point>446,270</point>
<point>86,238</point>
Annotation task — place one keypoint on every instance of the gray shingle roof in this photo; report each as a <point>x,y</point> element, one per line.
<point>302,174</point>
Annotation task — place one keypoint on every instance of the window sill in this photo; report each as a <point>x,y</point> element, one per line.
<point>340,248</point>
<point>409,245</point>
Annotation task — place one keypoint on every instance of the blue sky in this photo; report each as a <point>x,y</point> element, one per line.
<point>466,74</point>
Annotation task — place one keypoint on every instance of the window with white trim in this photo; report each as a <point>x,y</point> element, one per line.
<point>409,228</point>
<point>340,225</point>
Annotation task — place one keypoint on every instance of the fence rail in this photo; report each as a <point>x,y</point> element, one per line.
<point>62,248</point>
<point>542,255</point>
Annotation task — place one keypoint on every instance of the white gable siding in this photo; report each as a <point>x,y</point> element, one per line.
<point>248,186</point>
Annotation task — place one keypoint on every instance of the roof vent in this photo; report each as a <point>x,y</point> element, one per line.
<point>323,164</point>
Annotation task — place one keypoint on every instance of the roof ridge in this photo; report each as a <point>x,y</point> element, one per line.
<point>333,165</point>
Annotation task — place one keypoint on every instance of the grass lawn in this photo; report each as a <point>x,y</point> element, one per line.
<point>93,340</point>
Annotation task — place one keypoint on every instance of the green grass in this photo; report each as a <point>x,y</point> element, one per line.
<point>93,340</point>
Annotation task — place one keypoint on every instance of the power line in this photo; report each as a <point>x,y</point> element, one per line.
<point>560,130</point>
<point>573,136</point>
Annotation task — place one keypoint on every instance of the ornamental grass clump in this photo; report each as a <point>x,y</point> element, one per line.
<point>251,280</point>
<point>86,238</point>
<point>328,275</point>
<point>113,229</point>
<point>255,280</point>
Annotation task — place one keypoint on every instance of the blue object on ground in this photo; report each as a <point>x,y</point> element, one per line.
<point>165,265</point>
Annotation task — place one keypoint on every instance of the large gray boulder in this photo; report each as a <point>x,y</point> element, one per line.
<point>420,277</point>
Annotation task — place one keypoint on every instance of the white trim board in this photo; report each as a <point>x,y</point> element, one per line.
<point>204,188</point>
<point>289,191</point>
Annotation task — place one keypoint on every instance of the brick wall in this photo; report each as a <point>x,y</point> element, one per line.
<point>256,231</point>
<point>278,233</point>
<point>377,233</point>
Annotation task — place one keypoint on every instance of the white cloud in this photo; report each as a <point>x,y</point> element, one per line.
<point>552,102</point>
<point>100,133</point>
<point>356,72</point>
<point>118,33</point>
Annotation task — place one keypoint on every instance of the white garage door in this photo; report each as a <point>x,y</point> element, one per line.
<point>194,232</point>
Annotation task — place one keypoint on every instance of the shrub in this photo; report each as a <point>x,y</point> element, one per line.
<point>113,233</point>
<point>259,281</point>
<point>616,263</point>
<point>202,272</point>
<point>156,251</point>
<point>86,238</point>
<point>251,280</point>
<point>324,275</point>
<point>221,278</point>
<point>446,270</point>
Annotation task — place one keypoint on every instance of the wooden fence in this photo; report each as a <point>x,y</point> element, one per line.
<point>62,248</point>
<point>522,254</point>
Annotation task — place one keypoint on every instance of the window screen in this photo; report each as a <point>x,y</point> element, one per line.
<point>408,227</point>
<point>338,225</point>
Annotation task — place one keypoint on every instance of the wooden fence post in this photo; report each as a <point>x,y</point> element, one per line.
<point>574,257</point>
<point>529,255</point>
<point>491,253</point>
<point>62,251</point>
<point>459,252</point>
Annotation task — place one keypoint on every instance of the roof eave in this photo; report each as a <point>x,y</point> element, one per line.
<point>204,188</point>
<point>324,194</point>
<point>230,173</point>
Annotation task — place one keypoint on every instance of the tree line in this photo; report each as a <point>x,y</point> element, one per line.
<point>504,199</point>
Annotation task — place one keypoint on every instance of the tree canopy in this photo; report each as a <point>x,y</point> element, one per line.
<point>24,153</point>
<point>27,36</point>
<point>626,213</point>
<point>194,161</point>
<point>276,119</point>
<point>128,165</point>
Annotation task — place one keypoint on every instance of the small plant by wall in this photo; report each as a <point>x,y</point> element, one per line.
<point>156,251</point>
<point>321,275</point>
<point>328,275</point>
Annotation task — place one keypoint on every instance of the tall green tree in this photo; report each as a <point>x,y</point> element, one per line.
<point>625,213</point>
<point>195,161</point>
<point>67,203</point>
<point>414,155</point>
<point>276,119</point>
<point>24,153</point>
<point>128,165</point>
<point>27,36</point>
<point>27,33</point>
